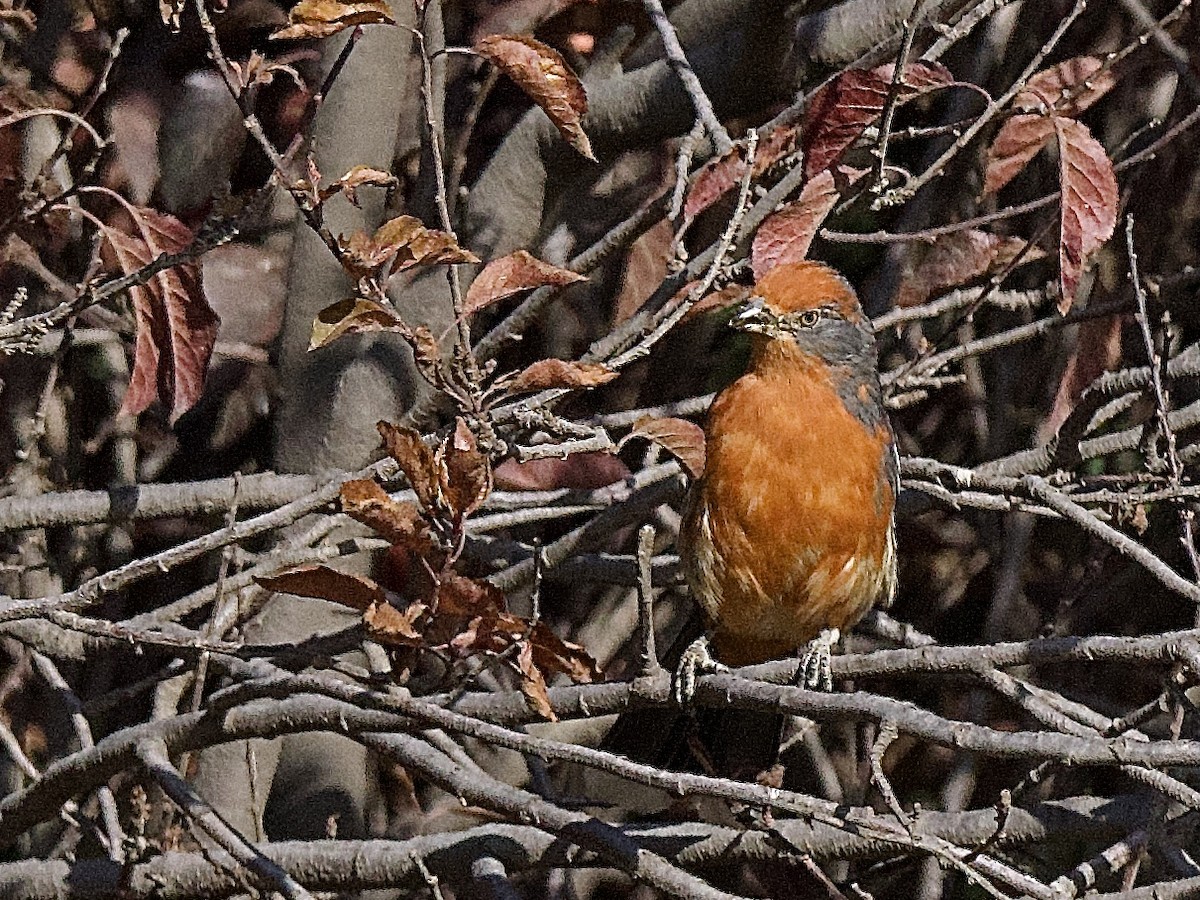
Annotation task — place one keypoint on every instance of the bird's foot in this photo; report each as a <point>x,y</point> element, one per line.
<point>815,672</point>
<point>697,660</point>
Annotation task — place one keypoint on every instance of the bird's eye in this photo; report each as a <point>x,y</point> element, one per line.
<point>809,318</point>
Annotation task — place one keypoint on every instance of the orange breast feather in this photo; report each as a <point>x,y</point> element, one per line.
<point>787,533</point>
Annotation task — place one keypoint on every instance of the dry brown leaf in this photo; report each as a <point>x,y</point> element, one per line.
<point>541,651</point>
<point>401,523</point>
<point>533,684</point>
<point>1082,78</point>
<point>956,259</point>
<point>1089,203</point>
<point>542,73</point>
<point>321,18</point>
<point>353,315</point>
<point>464,473</point>
<point>841,110</point>
<point>1018,141</point>
<point>461,596</point>
<point>415,459</point>
<point>389,625</point>
<point>553,654</point>
<point>358,177</point>
<point>176,328</point>
<point>404,242</point>
<point>682,439</point>
<point>786,235</point>
<point>356,591</point>
<point>560,373</point>
<point>510,275</point>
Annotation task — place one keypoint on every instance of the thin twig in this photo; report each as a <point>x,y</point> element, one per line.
<point>691,83</point>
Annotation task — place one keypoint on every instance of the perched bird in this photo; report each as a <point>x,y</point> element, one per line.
<point>788,537</point>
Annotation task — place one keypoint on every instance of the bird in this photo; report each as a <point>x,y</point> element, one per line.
<point>788,537</point>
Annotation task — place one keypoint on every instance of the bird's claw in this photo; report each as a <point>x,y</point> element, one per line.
<point>697,660</point>
<point>815,672</point>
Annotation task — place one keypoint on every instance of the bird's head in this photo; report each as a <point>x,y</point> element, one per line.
<point>813,310</point>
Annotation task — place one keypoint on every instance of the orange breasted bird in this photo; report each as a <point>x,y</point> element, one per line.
<point>788,538</point>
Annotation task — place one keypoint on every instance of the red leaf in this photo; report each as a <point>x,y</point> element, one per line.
<point>1066,89</point>
<point>682,439</point>
<point>719,176</point>
<point>542,73</point>
<point>715,178</point>
<point>1018,141</point>
<point>1097,350</point>
<point>582,471</point>
<point>841,110</point>
<point>956,259</point>
<point>786,235</point>
<point>512,274</point>
<point>919,77</point>
<point>176,328</point>
<point>1089,202</point>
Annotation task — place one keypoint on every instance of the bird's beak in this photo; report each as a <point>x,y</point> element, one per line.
<point>753,317</point>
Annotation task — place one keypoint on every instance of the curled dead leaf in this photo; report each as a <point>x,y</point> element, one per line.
<point>357,177</point>
<point>464,473</point>
<point>404,242</point>
<point>560,373</point>
<point>354,315</point>
<point>398,627</point>
<point>415,459</point>
<point>682,439</point>
<point>542,73</point>
<point>321,18</point>
<point>533,684</point>
<point>541,652</point>
<point>510,275</point>
<point>401,523</point>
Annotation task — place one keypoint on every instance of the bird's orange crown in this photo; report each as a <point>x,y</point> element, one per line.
<point>794,287</point>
